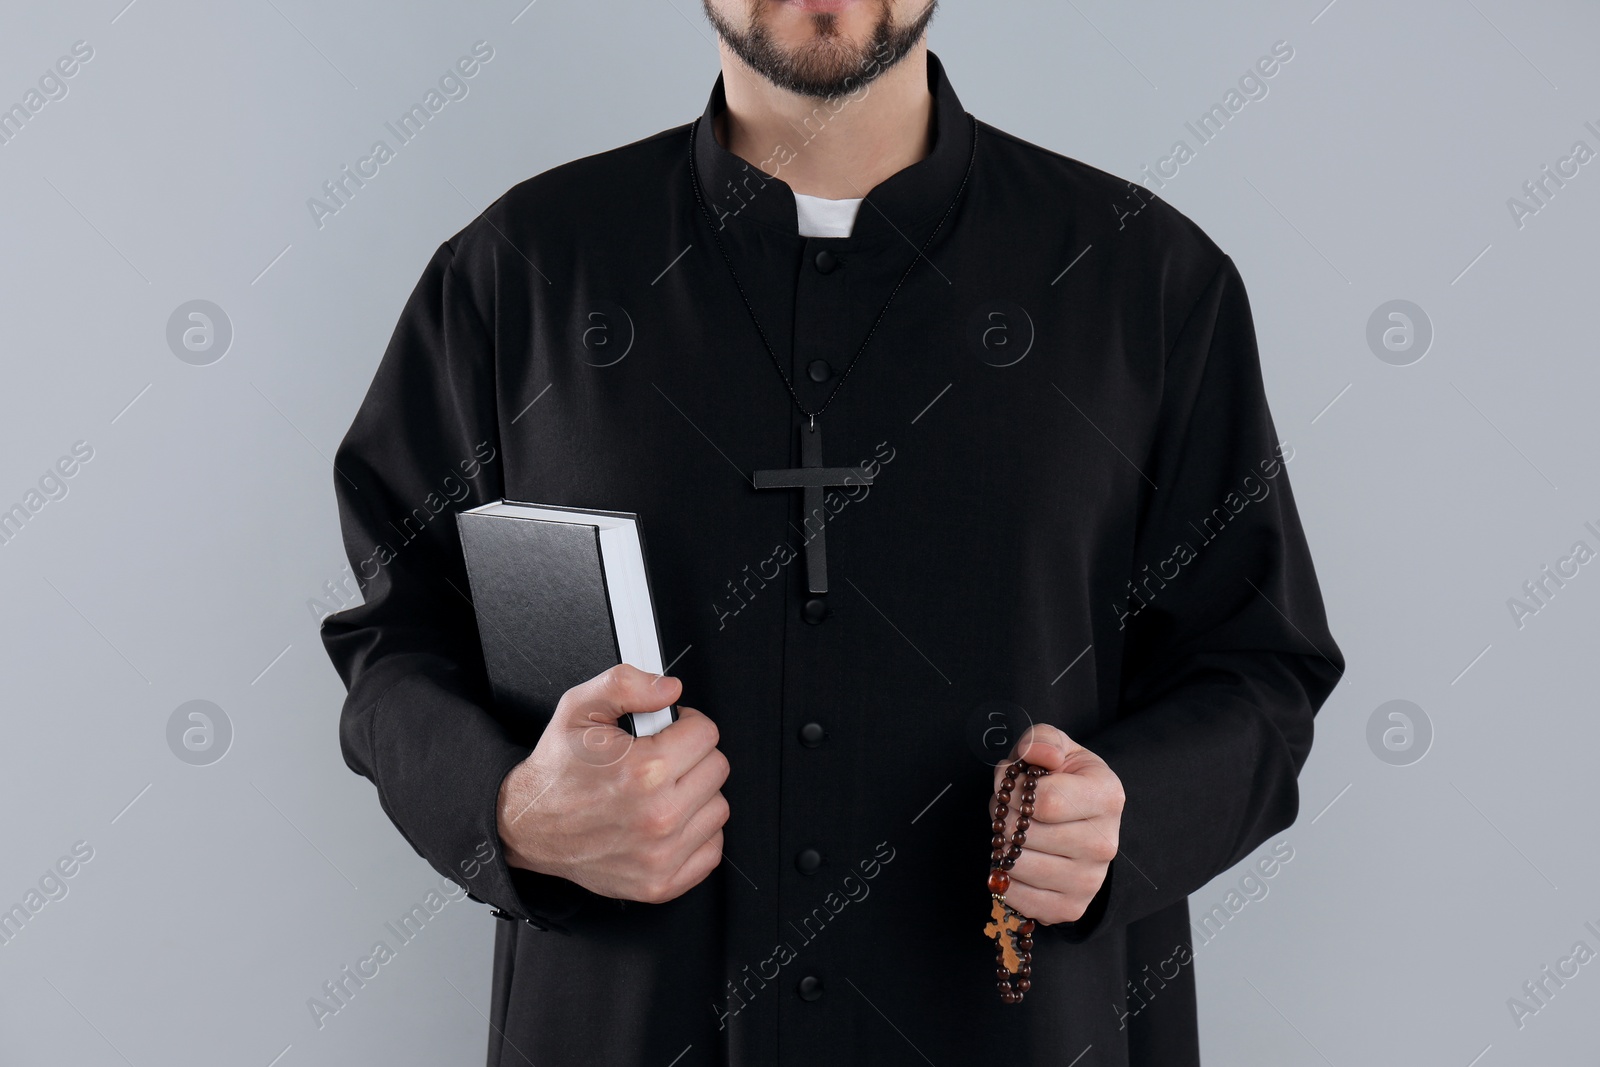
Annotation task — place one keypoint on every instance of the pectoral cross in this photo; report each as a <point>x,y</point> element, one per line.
<point>1005,924</point>
<point>813,477</point>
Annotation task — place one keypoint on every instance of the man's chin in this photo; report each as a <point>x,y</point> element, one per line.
<point>816,48</point>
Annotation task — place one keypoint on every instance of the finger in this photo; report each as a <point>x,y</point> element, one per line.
<point>701,862</point>
<point>1091,792</point>
<point>701,782</point>
<point>681,745</point>
<point>1045,746</point>
<point>1050,906</point>
<point>615,692</point>
<point>700,827</point>
<point>1042,871</point>
<point>1082,840</point>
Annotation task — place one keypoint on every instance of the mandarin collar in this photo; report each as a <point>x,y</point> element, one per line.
<point>735,192</point>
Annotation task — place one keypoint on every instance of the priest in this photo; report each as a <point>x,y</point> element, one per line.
<point>985,600</point>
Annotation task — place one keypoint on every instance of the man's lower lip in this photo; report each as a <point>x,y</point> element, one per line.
<point>818,5</point>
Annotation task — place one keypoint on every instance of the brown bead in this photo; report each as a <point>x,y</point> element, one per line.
<point>1025,984</point>
<point>1027,928</point>
<point>1023,822</point>
<point>1006,863</point>
<point>999,882</point>
<point>998,826</point>
<point>1027,809</point>
<point>1024,944</point>
<point>997,841</point>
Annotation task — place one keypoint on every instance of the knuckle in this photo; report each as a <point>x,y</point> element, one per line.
<point>1047,806</point>
<point>716,857</point>
<point>656,891</point>
<point>1087,886</point>
<point>657,820</point>
<point>646,774</point>
<point>612,681</point>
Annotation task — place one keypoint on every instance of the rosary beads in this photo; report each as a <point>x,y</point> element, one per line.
<point>1013,952</point>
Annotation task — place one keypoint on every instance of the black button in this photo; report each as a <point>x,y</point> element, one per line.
<point>826,261</point>
<point>814,610</point>
<point>808,861</point>
<point>812,734</point>
<point>819,370</point>
<point>810,988</point>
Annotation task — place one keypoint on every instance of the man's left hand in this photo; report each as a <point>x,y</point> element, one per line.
<point>1072,836</point>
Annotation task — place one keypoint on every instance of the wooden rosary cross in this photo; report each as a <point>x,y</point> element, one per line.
<point>812,477</point>
<point>1005,924</point>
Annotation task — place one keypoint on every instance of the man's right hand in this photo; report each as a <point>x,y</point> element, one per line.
<point>628,818</point>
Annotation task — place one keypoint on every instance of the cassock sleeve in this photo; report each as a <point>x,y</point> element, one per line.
<point>1227,654</point>
<point>418,717</point>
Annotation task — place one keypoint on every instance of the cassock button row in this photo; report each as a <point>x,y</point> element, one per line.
<point>812,734</point>
<point>820,370</point>
<point>826,261</point>
<point>814,610</point>
<point>810,988</point>
<point>808,861</point>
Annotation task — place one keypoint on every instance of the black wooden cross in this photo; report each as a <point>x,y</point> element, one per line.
<point>813,477</point>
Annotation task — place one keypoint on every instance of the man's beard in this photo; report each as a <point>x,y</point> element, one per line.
<point>828,65</point>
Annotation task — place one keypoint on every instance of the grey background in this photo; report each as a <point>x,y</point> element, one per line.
<point>179,564</point>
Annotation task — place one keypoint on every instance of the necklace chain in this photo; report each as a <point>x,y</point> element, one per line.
<point>777,363</point>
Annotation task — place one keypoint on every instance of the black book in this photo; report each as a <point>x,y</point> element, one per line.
<point>560,595</point>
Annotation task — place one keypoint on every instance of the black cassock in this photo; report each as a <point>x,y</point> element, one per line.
<point>1080,514</point>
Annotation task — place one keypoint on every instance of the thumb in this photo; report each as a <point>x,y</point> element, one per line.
<point>1045,746</point>
<point>615,692</point>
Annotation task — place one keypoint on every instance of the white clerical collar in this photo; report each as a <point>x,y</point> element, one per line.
<point>825,218</point>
